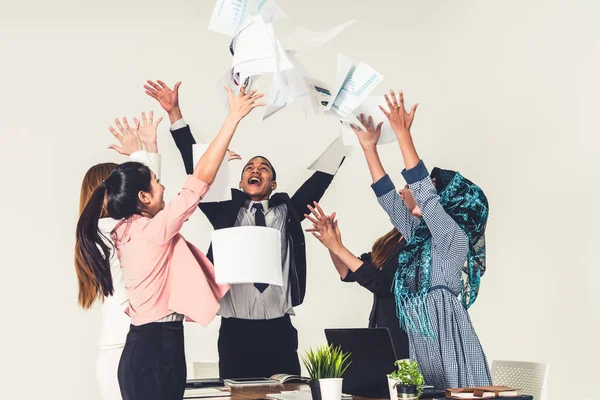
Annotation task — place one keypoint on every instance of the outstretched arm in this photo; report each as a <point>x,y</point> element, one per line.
<point>384,189</point>
<point>168,222</point>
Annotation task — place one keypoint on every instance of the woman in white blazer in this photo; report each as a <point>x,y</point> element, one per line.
<point>139,143</point>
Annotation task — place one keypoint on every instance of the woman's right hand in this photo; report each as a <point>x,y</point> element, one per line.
<point>369,136</point>
<point>243,103</point>
<point>127,136</point>
<point>400,120</point>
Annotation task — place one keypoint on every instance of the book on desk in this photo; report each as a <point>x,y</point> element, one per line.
<point>485,392</point>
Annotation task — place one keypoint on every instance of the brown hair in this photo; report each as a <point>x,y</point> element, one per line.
<point>89,286</point>
<point>384,247</point>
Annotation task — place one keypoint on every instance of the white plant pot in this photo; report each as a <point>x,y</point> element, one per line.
<point>331,388</point>
<point>393,390</point>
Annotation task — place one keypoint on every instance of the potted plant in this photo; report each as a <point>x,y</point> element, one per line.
<point>326,366</point>
<point>406,382</point>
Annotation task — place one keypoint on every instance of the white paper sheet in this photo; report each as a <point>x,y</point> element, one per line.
<point>329,161</point>
<point>247,254</point>
<point>231,16</point>
<point>369,107</point>
<point>287,88</point>
<point>253,43</point>
<point>356,88</point>
<point>320,94</point>
<point>228,16</point>
<point>220,190</point>
<point>296,77</point>
<point>279,95</point>
<point>344,70</point>
<point>257,50</point>
<point>302,38</point>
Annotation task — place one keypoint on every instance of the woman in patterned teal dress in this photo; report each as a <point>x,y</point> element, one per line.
<point>443,218</point>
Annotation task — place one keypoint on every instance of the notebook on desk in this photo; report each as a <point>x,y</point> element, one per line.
<point>201,393</point>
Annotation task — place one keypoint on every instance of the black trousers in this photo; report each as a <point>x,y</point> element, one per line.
<point>152,365</point>
<point>257,348</point>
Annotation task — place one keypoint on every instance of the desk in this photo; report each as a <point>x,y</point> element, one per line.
<point>260,392</point>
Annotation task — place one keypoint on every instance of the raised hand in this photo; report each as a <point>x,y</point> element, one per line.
<point>168,99</point>
<point>127,137</point>
<point>243,103</point>
<point>324,227</point>
<point>400,120</point>
<point>232,155</point>
<point>369,136</point>
<point>147,131</point>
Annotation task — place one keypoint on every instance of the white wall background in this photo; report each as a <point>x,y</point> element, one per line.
<point>508,92</point>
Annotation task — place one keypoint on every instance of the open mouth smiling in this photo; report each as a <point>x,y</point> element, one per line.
<point>255,181</point>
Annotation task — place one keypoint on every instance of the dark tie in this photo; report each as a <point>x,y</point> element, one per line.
<point>259,220</point>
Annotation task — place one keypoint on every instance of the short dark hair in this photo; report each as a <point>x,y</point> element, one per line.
<point>270,165</point>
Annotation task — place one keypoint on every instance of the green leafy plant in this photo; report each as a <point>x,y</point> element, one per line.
<point>408,374</point>
<point>326,362</point>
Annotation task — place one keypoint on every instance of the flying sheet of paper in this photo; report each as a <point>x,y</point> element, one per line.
<point>253,43</point>
<point>231,16</point>
<point>369,107</point>
<point>256,259</point>
<point>302,38</point>
<point>320,94</point>
<point>329,161</point>
<point>288,87</point>
<point>220,190</point>
<point>324,37</point>
<point>279,95</point>
<point>296,77</point>
<point>356,88</point>
<point>257,50</point>
<point>283,63</point>
<point>344,70</point>
<point>270,11</point>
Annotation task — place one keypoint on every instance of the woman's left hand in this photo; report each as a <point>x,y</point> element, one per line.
<point>147,132</point>
<point>324,227</point>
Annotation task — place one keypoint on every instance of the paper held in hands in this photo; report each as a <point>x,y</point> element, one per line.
<point>247,254</point>
<point>220,190</point>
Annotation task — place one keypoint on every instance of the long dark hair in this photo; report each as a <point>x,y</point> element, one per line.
<point>86,280</point>
<point>92,254</point>
<point>383,247</point>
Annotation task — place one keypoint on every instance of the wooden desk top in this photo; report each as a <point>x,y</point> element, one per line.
<point>260,392</point>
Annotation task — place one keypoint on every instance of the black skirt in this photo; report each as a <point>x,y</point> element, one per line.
<point>152,365</point>
<point>257,348</point>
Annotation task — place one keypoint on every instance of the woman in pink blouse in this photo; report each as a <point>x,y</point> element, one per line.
<point>167,279</point>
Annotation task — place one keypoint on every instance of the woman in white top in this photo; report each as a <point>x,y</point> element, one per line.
<point>115,323</point>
